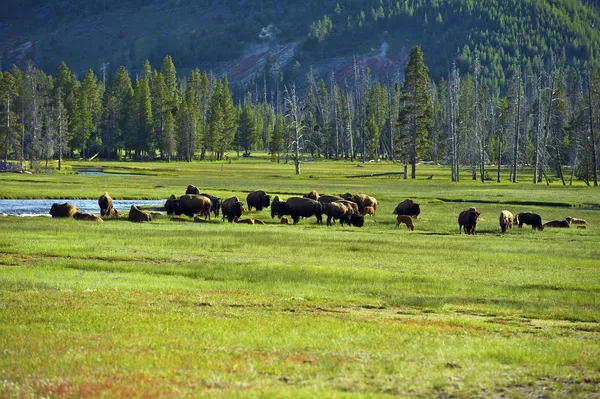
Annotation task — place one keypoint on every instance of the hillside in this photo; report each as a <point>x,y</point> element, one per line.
<point>234,37</point>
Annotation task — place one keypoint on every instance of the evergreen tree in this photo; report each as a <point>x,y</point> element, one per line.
<point>143,123</point>
<point>247,133</point>
<point>276,146</point>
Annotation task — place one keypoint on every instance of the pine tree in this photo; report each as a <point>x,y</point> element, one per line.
<point>86,113</point>
<point>143,123</point>
<point>247,133</point>
<point>8,118</point>
<point>230,120</point>
<point>416,114</point>
<point>276,145</point>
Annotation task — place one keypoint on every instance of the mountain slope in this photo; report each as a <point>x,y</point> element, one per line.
<point>226,35</point>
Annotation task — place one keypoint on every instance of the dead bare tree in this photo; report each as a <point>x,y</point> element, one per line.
<point>294,123</point>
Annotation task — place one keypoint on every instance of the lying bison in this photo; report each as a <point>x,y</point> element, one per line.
<point>65,210</point>
<point>532,219</point>
<point>216,203</point>
<point>467,220</point>
<point>506,221</point>
<point>560,224</point>
<point>232,209</point>
<point>258,199</point>
<point>88,217</point>
<point>137,215</point>
<point>105,202</point>
<point>190,205</point>
<point>193,190</point>
<point>408,207</point>
<point>298,207</point>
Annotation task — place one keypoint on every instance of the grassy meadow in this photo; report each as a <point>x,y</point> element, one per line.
<point>182,309</point>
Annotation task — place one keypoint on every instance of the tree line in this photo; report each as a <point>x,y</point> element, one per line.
<point>546,117</point>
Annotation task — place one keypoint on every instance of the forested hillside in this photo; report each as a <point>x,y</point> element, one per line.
<point>218,35</point>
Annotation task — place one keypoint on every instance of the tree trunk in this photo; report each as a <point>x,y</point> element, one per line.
<point>593,139</point>
<point>517,127</point>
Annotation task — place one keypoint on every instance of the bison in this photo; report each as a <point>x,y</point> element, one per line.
<point>532,219</point>
<point>408,207</point>
<point>326,199</point>
<point>506,220</point>
<point>258,199</point>
<point>87,216</point>
<point>407,220</point>
<point>137,215</point>
<point>298,207</point>
<point>337,211</point>
<point>313,195</point>
<point>191,205</point>
<point>193,190</point>
<point>562,224</point>
<point>216,203</point>
<point>105,202</point>
<point>65,210</point>
<point>361,200</point>
<point>277,202</point>
<point>467,220</point>
<point>169,202</point>
<point>573,220</point>
<point>232,209</point>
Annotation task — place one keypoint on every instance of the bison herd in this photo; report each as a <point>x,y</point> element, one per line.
<point>347,208</point>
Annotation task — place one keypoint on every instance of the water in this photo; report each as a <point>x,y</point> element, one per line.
<point>23,207</point>
<point>100,173</point>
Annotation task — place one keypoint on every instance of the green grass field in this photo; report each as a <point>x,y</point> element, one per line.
<point>215,309</point>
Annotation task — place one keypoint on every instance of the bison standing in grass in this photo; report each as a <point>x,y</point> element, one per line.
<point>193,190</point>
<point>105,202</point>
<point>361,200</point>
<point>467,220</point>
<point>532,219</point>
<point>313,195</point>
<point>137,215</point>
<point>298,207</point>
<point>259,200</point>
<point>216,203</point>
<point>232,209</point>
<point>190,205</point>
<point>407,220</point>
<point>506,221</point>
<point>277,202</point>
<point>65,210</point>
<point>408,207</point>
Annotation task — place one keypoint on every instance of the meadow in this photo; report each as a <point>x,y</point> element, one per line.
<point>214,309</point>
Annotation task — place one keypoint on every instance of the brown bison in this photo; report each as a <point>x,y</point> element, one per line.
<point>113,213</point>
<point>258,199</point>
<point>170,202</point>
<point>408,207</point>
<point>326,199</point>
<point>573,220</point>
<point>350,204</point>
<point>190,205</point>
<point>361,200</point>
<point>87,216</point>
<point>407,220</point>
<point>216,203</point>
<point>369,210</point>
<point>232,209</point>
<point>65,210</point>
<point>137,215</point>
<point>467,220</point>
<point>532,219</point>
<point>250,220</point>
<point>193,190</point>
<point>105,202</point>
<point>506,221</point>
<point>337,210</point>
<point>298,207</point>
<point>284,221</point>
<point>561,224</point>
<point>313,195</point>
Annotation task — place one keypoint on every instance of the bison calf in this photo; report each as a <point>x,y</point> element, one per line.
<point>407,220</point>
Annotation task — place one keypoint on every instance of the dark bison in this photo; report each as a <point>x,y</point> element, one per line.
<point>532,219</point>
<point>232,209</point>
<point>298,207</point>
<point>275,204</point>
<point>216,203</point>
<point>105,202</point>
<point>169,202</point>
<point>65,210</point>
<point>313,195</point>
<point>408,207</point>
<point>506,221</point>
<point>87,216</point>
<point>562,224</point>
<point>191,205</point>
<point>258,199</point>
<point>193,190</point>
<point>326,199</point>
<point>137,215</point>
<point>467,220</point>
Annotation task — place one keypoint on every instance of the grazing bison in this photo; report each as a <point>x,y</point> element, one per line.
<point>87,216</point>
<point>258,199</point>
<point>192,190</point>
<point>361,200</point>
<point>326,199</point>
<point>137,215</point>
<point>561,224</point>
<point>216,203</point>
<point>506,221</point>
<point>529,218</point>
<point>369,210</point>
<point>408,207</point>
<point>573,220</point>
<point>105,202</point>
<point>277,202</point>
<point>298,207</point>
<point>467,220</point>
<point>337,211</point>
<point>407,220</point>
<point>313,195</point>
<point>232,209</point>
<point>191,205</point>
<point>65,210</point>
<point>169,203</point>
<point>350,204</point>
